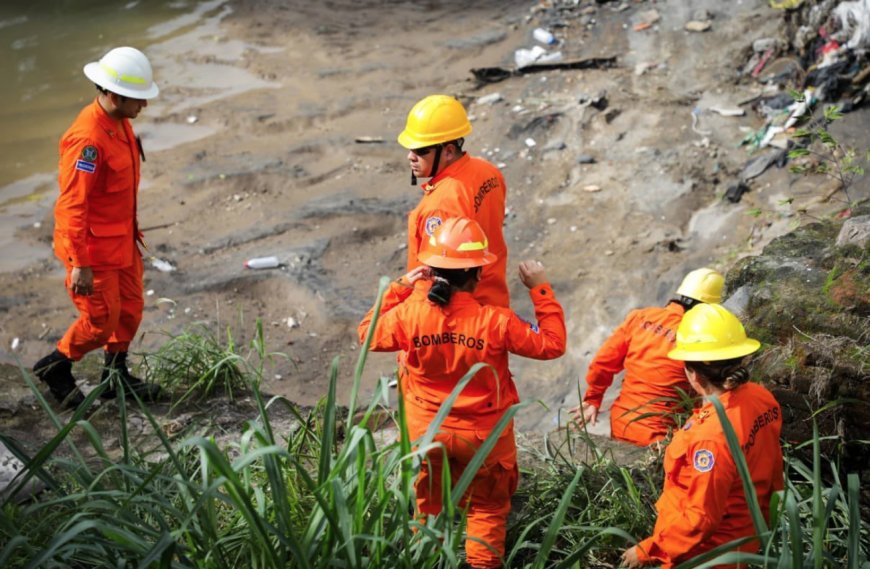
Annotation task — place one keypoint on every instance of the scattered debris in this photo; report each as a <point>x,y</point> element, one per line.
<point>530,142</point>
<point>15,343</point>
<point>757,165</point>
<point>585,159</point>
<point>262,263</point>
<point>368,139</point>
<point>591,188</point>
<point>161,265</point>
<point>544,36</point>
<point>734,193</point>
<point>698,26</point>
<point>489,99</point>
<point>191,119</point>
<point>496,74</point>
<point>725,112</point>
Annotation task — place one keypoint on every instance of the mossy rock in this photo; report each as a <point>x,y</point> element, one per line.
<point>809,302</point>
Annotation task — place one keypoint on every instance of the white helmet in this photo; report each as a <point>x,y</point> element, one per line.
<point>125,71</point>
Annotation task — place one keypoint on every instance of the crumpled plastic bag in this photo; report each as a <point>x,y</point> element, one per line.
<point>854,19</point>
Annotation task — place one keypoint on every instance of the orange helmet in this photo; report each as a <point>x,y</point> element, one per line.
<point>458,243</point>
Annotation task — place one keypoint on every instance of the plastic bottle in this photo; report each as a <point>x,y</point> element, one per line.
<point>544,36</point>
<point>262,263</point>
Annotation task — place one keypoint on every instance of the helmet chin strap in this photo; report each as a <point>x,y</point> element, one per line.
<point>435,164</point>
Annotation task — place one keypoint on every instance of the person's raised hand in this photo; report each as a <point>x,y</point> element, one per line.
<point>418,273</point>
<point>532,273</point>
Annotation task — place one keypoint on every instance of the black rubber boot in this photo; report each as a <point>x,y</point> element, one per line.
<point>55,370</point>
<point>116,373</point>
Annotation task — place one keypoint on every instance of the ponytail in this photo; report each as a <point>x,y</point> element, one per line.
<point>448,281</point>
<point>723,374</point>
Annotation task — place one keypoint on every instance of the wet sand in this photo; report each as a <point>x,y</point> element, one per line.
<point>272,169</point>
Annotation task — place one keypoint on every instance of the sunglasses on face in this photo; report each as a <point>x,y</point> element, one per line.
<point>423,151</point>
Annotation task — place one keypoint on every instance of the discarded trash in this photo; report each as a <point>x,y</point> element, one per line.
<point>785,4</point>
<point>591,188</point>
<point>696,26</point>
<point>544,36</point>
<point>524,57</point>
<point>641,26</point>
<point>262,263</point>
<point>550,221</point>
<point>756,71</point>
<point>855,19</point>
<point>728,112</point>
<point>292,322</point>
<point>530,142</point>
<point>149,292</point>
<point>695,114</point>
<point>192,119</point>
<point>161,265</point>
<point>735,192</point>
<point>496,74</point>
<point>764,44</point>
<point>489,99</point>
<point>368,139</point>
<point>756,166</point>
<point>393,383</point>
<point>15,343</point>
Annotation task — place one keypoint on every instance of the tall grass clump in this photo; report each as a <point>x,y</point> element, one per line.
<point>329,493</point>
<point>196,364</point>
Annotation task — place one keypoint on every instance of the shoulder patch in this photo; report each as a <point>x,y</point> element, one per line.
<point>89,153</point>
<point>532,326</point>
<point>432,224</point>
<point>703,460</point>
<point>88,167</point>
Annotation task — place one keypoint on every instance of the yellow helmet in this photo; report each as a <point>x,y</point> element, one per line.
<point>708,333</point>
<point>433,120</point>
<point>704,285</point>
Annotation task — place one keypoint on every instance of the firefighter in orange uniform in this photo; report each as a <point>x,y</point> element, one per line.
<point>640,346</point>
<point>445,331</point>
<point>459,185</point>
<point>96,230</point>
<point>703,504</point>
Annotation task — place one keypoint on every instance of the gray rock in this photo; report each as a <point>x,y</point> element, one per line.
<point>855,231</point>
<point>585,159</point>
<point>763,44</point>
<point>739,301</point>
<point>10,469</point>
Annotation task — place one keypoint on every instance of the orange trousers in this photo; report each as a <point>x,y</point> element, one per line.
<point>109,316</point>
<point>488,498</point>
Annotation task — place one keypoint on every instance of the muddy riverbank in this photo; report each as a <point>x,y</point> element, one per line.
<point>277,171</point>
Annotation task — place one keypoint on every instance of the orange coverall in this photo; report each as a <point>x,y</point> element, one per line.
<point>442,343</point>
<point>95,226</point>
<point>470,187</point>
<point>703,505</point>
<point>640,345</point>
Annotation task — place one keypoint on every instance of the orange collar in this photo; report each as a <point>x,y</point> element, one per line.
<point>107,123</point>
<point>447,172</point>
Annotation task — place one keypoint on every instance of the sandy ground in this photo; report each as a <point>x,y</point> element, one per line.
<point>275,171</point>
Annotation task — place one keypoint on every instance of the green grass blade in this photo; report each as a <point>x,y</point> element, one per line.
<point>758,520</point>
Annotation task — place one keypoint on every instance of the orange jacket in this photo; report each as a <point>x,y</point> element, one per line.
<point>472,188</point>
<point>702,505</point>
<point>442,343</point>
<point>95,215</point>
<point>640,345</point>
